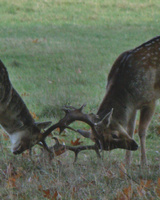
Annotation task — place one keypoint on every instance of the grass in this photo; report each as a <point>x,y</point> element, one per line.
<point>60,52</point>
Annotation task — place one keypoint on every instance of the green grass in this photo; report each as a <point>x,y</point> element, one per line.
<point>59,52</point>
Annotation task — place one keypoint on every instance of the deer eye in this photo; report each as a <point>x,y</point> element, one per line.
<point>114,136</point>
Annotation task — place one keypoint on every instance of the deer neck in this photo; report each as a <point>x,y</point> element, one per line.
<point>120,101</point>
<point>14,117</point>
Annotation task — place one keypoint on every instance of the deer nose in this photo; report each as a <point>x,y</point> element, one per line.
<point>17,150</point>
<point>134,146</point>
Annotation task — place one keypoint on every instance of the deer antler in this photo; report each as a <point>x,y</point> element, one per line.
<point>61,147</point>
<point>72,114</point>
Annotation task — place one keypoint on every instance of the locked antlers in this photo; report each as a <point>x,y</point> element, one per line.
<point>72,114</point>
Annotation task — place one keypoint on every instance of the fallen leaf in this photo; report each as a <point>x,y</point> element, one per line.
<point>146,183</point>
<point>122,171</point>
<point>158,188</point>
<point>128,192</point>
<point>47,193</point>
<point>5,136</point>
<point>78,71</point>
<point>135,131</point>
<point>11,171</point>
<point>40,187</point>
<point>158,182</point>
<point>109,175</point>
<point>24,94</point>
<point>59,151</point>
<point>35,41</point>
<point>34,115</point>
<point>26,154</point>
<point>50,82</point>
<point>57,196</point>
<point>121,196</point>
<point>11,183</point>
<point>158,191</point>
<point>76,142</point>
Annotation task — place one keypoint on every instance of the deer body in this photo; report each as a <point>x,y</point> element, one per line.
<point>15,117</point>
<point>133,84</point>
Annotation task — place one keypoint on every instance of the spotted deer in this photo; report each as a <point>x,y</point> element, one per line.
<point>16,119</point>
<point>133,84</point>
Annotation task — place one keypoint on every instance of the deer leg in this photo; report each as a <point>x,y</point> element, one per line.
<point>130,131</point>
<point>145,119</point>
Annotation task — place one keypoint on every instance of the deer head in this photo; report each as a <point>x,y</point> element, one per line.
<point>27,137</point>
<point>106,134</point>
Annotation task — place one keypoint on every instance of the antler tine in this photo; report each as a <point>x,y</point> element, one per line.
<point>78,149</point>
<point>67,108</point>
<point>81,108</point>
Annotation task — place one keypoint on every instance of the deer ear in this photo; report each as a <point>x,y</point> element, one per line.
<point>43,125</point>
<point>107,119</point>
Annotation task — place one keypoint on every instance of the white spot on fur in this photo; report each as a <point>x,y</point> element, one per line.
<point>16,138</point>
<point>148,44</point>
<point>143,58</point>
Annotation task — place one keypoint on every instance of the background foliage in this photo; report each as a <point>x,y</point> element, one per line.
<point>59,52</point>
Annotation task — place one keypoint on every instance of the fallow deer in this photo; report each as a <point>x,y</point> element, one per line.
<point>16,119</point>
<point>133,84</point>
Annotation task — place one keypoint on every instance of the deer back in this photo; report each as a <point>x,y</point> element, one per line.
<point>134,79</point>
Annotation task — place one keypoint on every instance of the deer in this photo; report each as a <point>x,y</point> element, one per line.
<point>133,85</point>
<point>15,118</point>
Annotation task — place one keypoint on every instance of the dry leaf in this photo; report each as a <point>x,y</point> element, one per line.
<point>122,171</point>
<point>26,154</point>
<point>140,191</point>
<point>34,115</point>
<point>24,94</point>
<point>11,170</point>
<point>135,131</point>
<point>57,196</point>
<point>158,191</point>
<point>40,187</point>
<point>128,192</point>
<point>47,193</point>
<point>78,71</point>
<point>13,176</point>
<point>158,188</point>
<point>59,151</point>
<point>76,142</point>
<point>158,182</point>
<point>11,183</point>
<point>50,82</point>
<point>121,196</point>
<point>35,41</point>
<point>146,183</point>
<point>5,136</point>
<point>109,175</point>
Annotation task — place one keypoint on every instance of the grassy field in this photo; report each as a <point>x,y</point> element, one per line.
<point>59,52</point>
